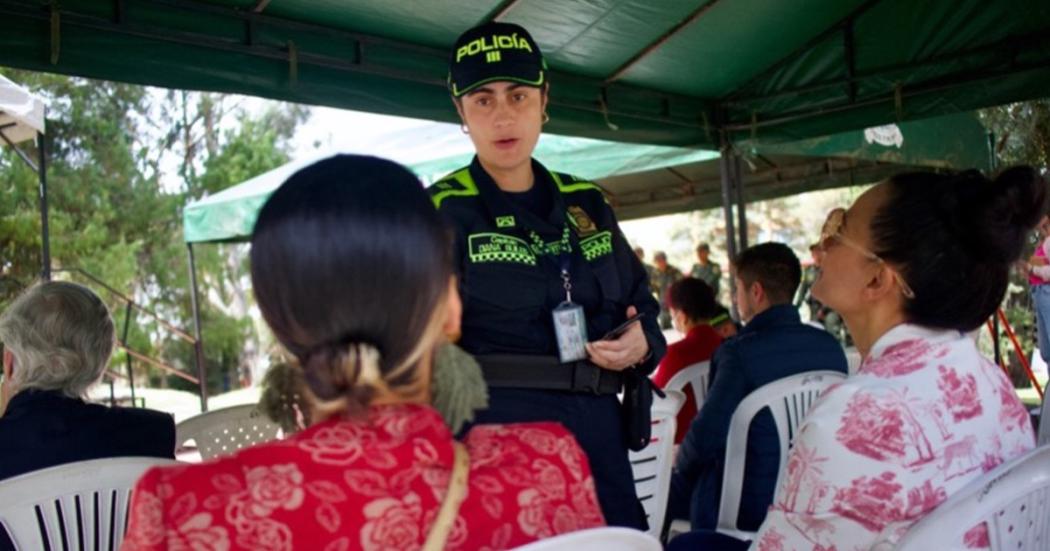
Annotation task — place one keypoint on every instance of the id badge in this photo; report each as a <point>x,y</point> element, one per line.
<point>570,328</point>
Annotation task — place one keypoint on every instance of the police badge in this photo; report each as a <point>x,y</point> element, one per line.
<point>582,222</point>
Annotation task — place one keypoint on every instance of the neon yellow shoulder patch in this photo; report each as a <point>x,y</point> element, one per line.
<point>572,184</point>
<point>458,184</point>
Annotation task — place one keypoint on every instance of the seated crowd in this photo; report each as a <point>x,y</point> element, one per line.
<point>773,344</point>
<point>57,341</point>
<point>368,462</point>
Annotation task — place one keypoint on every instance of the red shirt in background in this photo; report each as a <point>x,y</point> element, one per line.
<point>699,345</point>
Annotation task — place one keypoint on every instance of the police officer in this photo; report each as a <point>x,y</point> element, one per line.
<point>545,272</point>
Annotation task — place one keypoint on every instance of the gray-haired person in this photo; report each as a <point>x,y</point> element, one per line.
<point>57,340</point>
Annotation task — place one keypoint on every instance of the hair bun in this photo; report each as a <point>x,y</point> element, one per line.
<point>999,214</point>
<point>325,374</point>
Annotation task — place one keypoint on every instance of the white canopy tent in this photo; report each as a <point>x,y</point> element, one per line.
<point>21,119</point>
<point>21,113</point>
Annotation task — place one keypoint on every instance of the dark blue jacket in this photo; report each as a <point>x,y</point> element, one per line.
<point>775,344</point>
<point>510,286</point>
<point>42,429</point>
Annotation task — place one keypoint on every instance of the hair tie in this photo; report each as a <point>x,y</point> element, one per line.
<point>367,358</point>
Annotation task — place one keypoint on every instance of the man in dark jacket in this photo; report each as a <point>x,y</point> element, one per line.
<point>773,344</point>
<point>58,338</point>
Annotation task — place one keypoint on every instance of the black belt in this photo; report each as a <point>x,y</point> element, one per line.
<point>547,373</point>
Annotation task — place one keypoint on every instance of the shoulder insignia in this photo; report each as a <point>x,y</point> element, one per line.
<point>581,221</point>
<point>570,184</point>
<point>458,184</point>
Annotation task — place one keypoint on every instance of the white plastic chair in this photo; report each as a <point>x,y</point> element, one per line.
<point>652,465</point>
<point>224,431</point>
<point>788,399</point>
<point>1013,500</point>
<point>696,376</point>
<point>76,506</point>
<point>597,539</point>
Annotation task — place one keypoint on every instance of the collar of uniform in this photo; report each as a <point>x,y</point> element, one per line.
<point>499,205</point>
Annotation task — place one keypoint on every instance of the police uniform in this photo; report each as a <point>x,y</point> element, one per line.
<point>508,263</point>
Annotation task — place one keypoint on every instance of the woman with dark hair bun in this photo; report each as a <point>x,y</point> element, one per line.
<point>352,270</point>
<point>914,264</point>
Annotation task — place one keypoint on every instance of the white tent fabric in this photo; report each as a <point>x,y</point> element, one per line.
<point>21,112</point>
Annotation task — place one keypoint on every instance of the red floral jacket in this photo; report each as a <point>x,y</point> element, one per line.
<point>924,415</point>
<point>374,483</point>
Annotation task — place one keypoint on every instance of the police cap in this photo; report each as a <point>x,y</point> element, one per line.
<point>494,52</point>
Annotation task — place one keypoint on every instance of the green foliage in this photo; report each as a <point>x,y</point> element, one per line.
<point>1022,132</point>
<point>115,211</point>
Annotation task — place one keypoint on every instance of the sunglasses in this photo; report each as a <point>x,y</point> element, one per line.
<point>832,232</point>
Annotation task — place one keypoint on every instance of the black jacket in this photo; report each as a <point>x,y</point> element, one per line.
<point>509,286</point>
<point>42,429</point>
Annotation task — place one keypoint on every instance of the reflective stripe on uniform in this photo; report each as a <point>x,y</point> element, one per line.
<point>467,187</point>
<point>575,186</point>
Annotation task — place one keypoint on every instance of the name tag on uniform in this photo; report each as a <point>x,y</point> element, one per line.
<point>570,328</point>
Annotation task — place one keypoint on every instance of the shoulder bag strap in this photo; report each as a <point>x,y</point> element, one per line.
<point>457,490</point>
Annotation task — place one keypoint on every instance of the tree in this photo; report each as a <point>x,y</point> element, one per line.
<point>116,208</point>
<point>1022,132</point>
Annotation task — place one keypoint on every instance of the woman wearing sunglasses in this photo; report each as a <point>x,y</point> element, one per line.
<point>913,265</point>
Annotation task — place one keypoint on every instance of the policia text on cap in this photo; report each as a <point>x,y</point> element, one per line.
<point>544,270</point>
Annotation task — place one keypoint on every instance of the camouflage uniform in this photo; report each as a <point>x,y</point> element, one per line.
<point>710,273</point>
<point>661,281</point>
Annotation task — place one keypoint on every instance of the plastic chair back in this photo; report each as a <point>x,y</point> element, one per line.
<point>597,539</point>
<point>75,507</point>
<point>652,466</point>
<point>788,399</point>
<point>224,431</point>
<point>1013,500</point>
<point>696,376</point>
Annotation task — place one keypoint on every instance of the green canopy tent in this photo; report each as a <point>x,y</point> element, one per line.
<point>645,180</point>
<point>772,170</point>
<point>672,72</point>
<point>230,214</point>
<point>706,73</point>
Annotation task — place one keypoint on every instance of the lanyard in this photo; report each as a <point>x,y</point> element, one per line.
<point>564,251</point>
<point>499,206</point>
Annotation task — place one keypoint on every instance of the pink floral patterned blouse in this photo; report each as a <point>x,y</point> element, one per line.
<point>372,484</point>
<point>924,415</point>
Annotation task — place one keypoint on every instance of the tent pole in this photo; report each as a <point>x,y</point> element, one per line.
<point>127,357</point>
<point>45,235</point>
<point>741,211</point>
<point>726,171</point>
<point>198,344</point>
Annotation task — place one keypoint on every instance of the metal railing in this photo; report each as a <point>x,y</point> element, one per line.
<point>130,304</point>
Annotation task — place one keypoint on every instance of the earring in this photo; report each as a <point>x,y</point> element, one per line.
<point>546,118</point>
<point>463,128</point>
